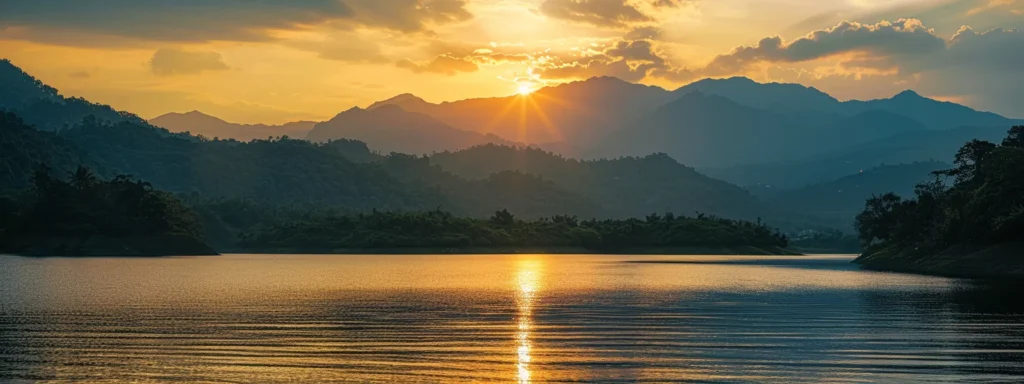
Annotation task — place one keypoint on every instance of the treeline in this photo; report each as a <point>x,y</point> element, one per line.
<point>438,229</point>
<point>80,214</point>
<point>74,216</point>
<point>977,203</point>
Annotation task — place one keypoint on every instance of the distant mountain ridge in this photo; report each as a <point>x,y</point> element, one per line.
<point>390,128</point>
<point>795,97</point>
<point>708,130</point>
<point>577,113</point>
<point>199,123</point>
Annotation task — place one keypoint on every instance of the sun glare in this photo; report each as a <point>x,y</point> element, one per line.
<point>524,89</point>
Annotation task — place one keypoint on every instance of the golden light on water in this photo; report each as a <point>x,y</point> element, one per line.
<point>528,281</point>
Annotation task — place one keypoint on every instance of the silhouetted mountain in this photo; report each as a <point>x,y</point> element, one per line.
<point>770,178</point>
<point>842,199</point>
<point>767,96</point>
<point>389,128</point>
<point>19,89</point>
<point>933,113</point>
<point>713,131</point>
<point>198,123</point>
<point>42,106</point>
<point>407,101</point>
<point>578,113</point>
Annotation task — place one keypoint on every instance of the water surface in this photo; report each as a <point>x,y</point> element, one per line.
<point>493,318</point>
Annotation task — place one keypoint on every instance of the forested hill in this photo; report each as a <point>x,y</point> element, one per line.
<point>625,187</point>
<point>973,228</point>
<point>43,107</point>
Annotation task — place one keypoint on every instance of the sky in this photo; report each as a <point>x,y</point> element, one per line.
<point>268,61</point>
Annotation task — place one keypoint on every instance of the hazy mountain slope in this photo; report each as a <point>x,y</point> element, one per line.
<point>577,113</point>
<point>907,147</point>
<point>389,128</point>
<point>796,98</point>
<point>626,187</point>
<point>768,96</point>
<point>844,198</point>
<point>199,123</point>
<point>713,131</point>
<point>933,113</point>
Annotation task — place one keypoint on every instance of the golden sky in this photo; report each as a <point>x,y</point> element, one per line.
<point>266,61</point>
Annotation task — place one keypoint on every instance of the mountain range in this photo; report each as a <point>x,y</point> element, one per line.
<point>712,124</point>
<point>768,138</point>
<point>198,123</point>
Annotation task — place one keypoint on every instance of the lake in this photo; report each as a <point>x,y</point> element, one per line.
<point>499,318</point>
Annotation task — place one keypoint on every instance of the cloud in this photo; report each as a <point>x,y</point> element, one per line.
<point>348,46</point>
<point>905,38</point>
<point>601,13</point>
<point>408,15</point>
<point>169,62</point>
<point>171,20</point>
<point>991,5</point>
<point>443,64</point>
<point>57,21</point>
<point>644,33</point>
<point>79,75</point>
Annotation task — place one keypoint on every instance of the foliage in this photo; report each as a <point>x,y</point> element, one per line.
<point>984,206</point>
<point>24,148</point>
<point>84,205</point>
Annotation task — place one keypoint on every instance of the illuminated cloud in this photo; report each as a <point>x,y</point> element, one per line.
<point>644,33</point>
<point>601,13</point>
<point>443,64</point>
<point>168,62</point>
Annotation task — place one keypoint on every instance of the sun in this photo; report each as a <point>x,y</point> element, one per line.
<point>524,89</point>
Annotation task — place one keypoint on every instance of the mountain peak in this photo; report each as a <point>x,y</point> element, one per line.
<point>908,94</point>
<point>407,100</point>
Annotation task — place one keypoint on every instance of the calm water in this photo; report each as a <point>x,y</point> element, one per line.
<point>247,318</point>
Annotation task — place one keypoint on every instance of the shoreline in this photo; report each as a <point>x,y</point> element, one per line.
<point>733,250</point>
<point>667,251</point>
<point>1003,261</point>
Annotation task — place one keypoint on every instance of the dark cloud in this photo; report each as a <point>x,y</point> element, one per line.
<point>171,20</point>
<point>168,62</point>
<point>601,13</point>
<point>443,64</point>
<point>205,20</point>
<point>408,15</point>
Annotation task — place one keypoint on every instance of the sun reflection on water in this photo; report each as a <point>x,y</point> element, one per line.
<point>528,281</point>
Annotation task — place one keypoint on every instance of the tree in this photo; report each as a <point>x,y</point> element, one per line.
<point>878,220</point>
<point>968,160</point>
<point>1015,137</point>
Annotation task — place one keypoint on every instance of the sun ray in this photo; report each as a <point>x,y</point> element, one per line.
<point>549,127</point>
